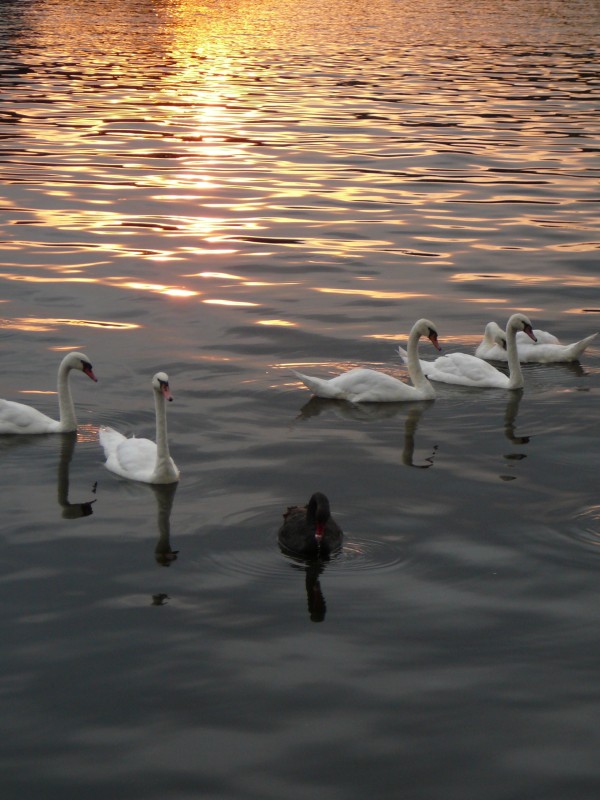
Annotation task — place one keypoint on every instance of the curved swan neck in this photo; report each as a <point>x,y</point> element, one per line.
<point>489,334</point>
<point>68,420</point>
<point>515,373</point>
<point>414,365</point>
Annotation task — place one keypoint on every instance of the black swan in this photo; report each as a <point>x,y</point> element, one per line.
<point>310,530</point>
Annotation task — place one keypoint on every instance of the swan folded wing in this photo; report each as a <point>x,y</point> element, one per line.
<point>543,337</point>
<point>548,353</point>
<point>359,386</point>
<point>369,386</point>
<point>466,370</point>
<point>134,458</point>
<point>129,458</point>
<point>19,418</point>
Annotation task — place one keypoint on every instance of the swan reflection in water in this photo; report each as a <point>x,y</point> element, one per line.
<point>70,510</point>
<point>313,568</point>
<point>510,418</point>
<point>163,552</point>
<point>365,412</point>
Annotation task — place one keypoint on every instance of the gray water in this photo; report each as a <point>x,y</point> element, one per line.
<point>230,190</point>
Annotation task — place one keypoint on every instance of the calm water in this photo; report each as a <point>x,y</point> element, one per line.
<point>225,191</point>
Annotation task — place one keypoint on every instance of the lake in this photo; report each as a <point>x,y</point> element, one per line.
<point>230,191</point>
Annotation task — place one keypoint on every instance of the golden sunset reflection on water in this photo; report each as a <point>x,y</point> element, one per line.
<point>229,191</point>
<point>48,323</point>
<point>277,323</point>
<point>220,144</point>
<point>373,294</point>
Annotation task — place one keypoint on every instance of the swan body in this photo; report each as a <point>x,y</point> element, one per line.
<point>369,386</point>
<point>310,531</point>
<point>142,459</point>
<point>547,350</point>
<point>462,369</point>
<point>21,418</point>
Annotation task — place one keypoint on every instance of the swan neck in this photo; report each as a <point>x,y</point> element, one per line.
<point>68,420</point>
<point>414,365</point>
<point>162,445</point>
<point>514,365</point>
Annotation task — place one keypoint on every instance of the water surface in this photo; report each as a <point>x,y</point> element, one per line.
<point>230,190</point>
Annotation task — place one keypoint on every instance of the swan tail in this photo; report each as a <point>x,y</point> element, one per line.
<point>403,354</point>
<point>576,350</point>
<point>319,387</point>
<point>110,440</point>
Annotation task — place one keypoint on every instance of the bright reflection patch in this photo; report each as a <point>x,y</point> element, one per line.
<point>281,323</point>
<point>217,302</point>
<point>44,324</point>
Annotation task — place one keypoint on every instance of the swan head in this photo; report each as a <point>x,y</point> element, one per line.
<point>519,322</point>
<point>81,362</point>
<point>493,332</point>
<point>160,384</point>
<point>318,512</point>
<point>500,339</point>
<point>425,327</point>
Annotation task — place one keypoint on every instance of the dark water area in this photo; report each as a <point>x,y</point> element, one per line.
<point>228,191</point>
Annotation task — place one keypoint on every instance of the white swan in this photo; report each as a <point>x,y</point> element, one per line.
<point>462,369</point>
<point>21,418</point>
<point>369,386</point>
<point>142,459</point>
<point>547,350</point>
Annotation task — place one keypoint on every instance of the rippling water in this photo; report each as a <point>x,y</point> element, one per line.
<point>229,190</point>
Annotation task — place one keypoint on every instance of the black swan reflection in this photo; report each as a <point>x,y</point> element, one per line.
<point>310,531</point>
<point>313,568</point>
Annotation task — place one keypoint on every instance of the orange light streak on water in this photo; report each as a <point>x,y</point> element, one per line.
<point>41,324</point>
<point>282,323</point>
<point>219,302</point>
<point>373,294</point>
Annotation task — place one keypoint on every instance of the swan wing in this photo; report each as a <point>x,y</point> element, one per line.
<point>462,369</point>
<point>130,458</point>
<point>543,337</point>
<point>362,386</point>
<point>548,353</point>
<point>20,418</point>
<point>136,458</point>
